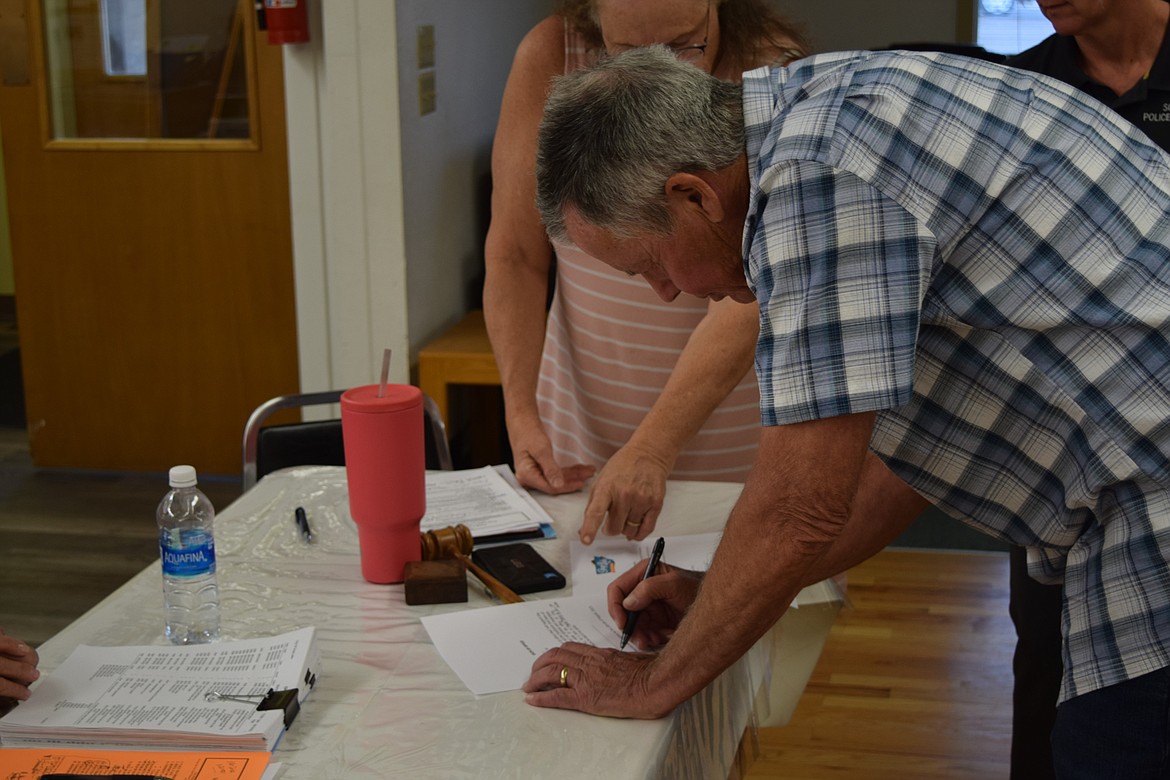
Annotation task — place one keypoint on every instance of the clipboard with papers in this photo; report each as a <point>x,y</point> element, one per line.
<point>238,695</point>
<point>489,501</point>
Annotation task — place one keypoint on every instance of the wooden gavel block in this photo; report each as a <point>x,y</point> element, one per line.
<point>455,542</point>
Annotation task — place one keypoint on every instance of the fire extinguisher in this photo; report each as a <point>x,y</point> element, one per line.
<point>287,21</point>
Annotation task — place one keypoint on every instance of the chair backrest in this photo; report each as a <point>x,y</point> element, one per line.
<point>319,443</point>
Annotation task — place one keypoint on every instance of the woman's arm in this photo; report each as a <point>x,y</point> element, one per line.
<point>518,255</point>
<point>632,485</point>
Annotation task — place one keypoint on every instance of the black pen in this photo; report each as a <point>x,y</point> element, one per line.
<point>303,524</point>
<point>651,565</point>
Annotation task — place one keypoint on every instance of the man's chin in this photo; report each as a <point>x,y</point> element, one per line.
<point>739,296</point>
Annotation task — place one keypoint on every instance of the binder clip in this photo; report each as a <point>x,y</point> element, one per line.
<point>273,700</point>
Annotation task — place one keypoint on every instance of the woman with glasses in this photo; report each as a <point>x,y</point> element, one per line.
<point>615,378</point>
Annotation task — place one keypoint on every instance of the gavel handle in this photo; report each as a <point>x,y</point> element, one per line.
<point>502,591</point>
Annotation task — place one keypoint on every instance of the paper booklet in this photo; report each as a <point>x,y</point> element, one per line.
<point>62,763</point>
<point>489,501</point>
<point>168,697</point>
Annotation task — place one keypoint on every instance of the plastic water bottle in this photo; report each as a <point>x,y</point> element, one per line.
<point>187,548</point>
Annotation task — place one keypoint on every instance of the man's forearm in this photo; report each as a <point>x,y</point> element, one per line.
<point>883,507</point>
<point>747,589</point>
<point>792,510</point>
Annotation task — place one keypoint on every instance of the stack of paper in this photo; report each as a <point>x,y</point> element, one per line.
<point>489,501</point>
<point>26,763</point>
<point>167,697</point>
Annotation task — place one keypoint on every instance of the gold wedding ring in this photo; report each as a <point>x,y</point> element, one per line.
<point>637,524</point>
<point>564,677</point>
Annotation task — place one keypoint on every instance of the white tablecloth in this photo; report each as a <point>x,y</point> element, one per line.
<point>386,705</point>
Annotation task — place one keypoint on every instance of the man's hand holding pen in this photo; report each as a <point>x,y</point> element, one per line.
<point>604,681</point>
<point>661,600</point>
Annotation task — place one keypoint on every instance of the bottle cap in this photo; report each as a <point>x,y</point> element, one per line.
<point>182,476</point>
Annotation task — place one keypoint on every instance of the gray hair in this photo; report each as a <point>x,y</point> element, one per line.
<point>613,134</point>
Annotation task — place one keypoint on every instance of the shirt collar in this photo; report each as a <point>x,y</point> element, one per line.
<point>1066,66</point>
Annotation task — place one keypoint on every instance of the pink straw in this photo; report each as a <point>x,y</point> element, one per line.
<point>385,373</point>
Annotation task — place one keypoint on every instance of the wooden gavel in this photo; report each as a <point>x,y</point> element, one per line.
<point>455,541</point>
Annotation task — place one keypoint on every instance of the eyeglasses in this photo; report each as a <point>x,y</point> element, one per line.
<point>691,52</point>
<point>695,51</point>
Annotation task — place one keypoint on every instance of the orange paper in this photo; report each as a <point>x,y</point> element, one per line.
<point>31,763</point>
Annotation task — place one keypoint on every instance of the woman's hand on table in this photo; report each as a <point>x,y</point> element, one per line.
<point>537,466</point>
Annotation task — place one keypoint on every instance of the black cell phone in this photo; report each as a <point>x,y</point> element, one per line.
<point>519,567</point>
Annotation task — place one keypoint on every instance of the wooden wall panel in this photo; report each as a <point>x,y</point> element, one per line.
<point>154,287</point>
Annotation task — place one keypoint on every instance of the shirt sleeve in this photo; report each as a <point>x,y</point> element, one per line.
<point>840,272</point>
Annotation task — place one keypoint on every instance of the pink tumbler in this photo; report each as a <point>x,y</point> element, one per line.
<point>384,466</point>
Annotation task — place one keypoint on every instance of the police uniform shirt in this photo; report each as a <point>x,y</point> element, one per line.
<point>1146,105</point>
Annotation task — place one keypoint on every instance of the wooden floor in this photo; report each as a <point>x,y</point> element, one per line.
<point>915,679</point>
<point>68,539</point>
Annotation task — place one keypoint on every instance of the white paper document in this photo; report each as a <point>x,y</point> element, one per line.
<point>156,696</point>
<point>482,500</point>
<point>599,564</point>
<point>596,565</point>
<point>492,649</point>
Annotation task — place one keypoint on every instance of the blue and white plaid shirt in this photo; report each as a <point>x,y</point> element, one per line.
<point>982,256</point>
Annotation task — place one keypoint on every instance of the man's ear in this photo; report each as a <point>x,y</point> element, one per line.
<point>691,192</point>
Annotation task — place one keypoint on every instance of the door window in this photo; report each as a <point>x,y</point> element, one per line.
<point>124,37</point>
<point>135,70</point>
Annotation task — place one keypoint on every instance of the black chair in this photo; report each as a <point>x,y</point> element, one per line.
<point>319,442</point>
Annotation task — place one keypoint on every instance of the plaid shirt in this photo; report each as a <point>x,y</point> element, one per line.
<point>980,256</point>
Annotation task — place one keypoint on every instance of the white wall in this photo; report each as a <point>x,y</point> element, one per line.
<point>834,25</point>
<point>346,195</point>
<point>385,229</point>
<point>446,154</point>
<point>385,233</point>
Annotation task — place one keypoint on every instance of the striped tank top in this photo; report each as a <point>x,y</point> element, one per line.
<point>609,348</point>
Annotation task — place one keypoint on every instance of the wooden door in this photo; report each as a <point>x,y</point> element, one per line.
<point>152,251</point>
